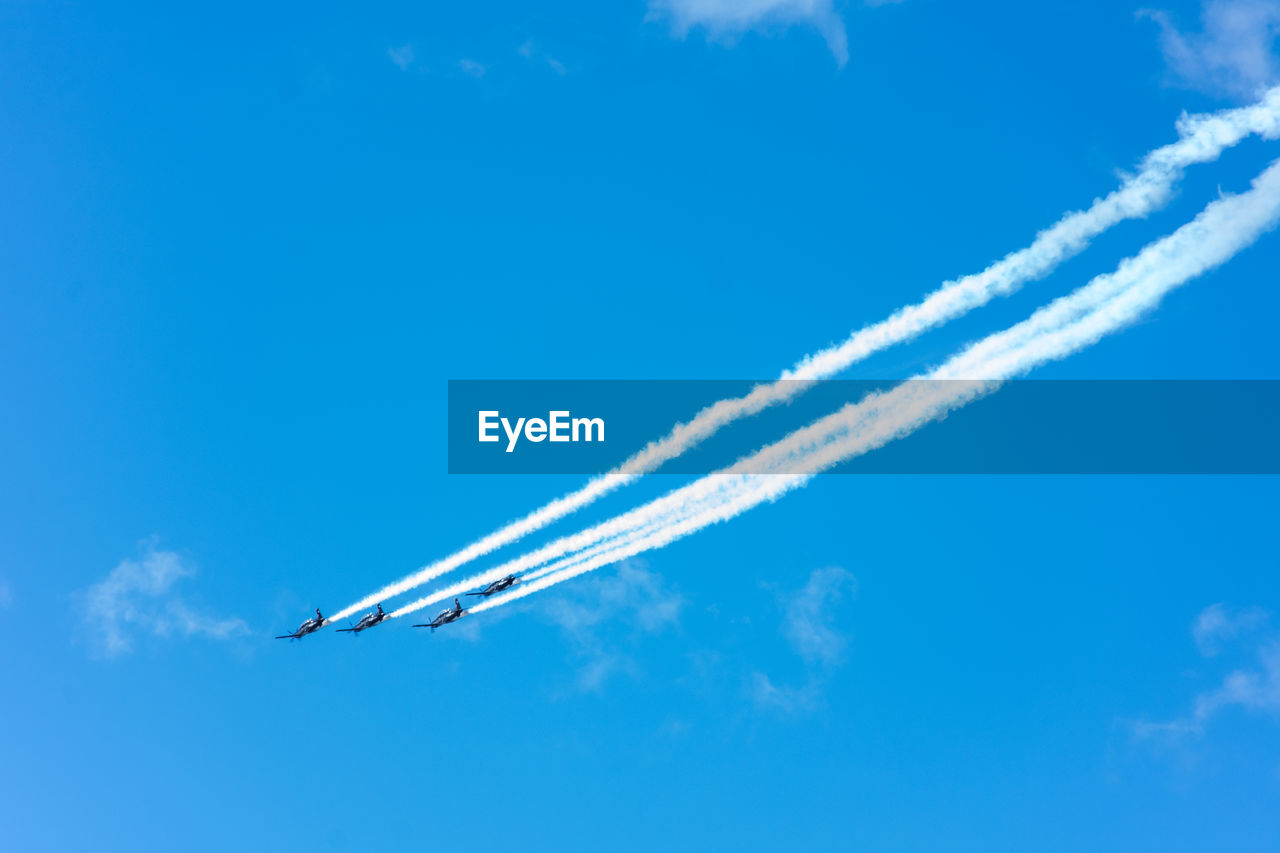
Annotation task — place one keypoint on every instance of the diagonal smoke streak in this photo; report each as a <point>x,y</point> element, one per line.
<point>708,491</point>
<point>1221,230</point>
<point>1108,303</point>
<point>1201,139</point>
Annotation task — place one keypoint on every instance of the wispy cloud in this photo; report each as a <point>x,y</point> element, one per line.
<point>1256,688</point>
<point>788,700</point>
<point>634,598</point>
<point>138,597</point>
<point>530,51</point>
<point>1233,54</point>
<point>472,68</point>
<point>811,613</point>
<point>809,624</point>
<point>727,19</point>
<point>1253,688</point>
<point>401,56</point>
<point>1220,623</point>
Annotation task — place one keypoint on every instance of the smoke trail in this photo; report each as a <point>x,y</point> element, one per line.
<point>709,491</point>
<point>1215,235</point>
<point>1108,303</point>
<point>706,492</point>
<point>1202,139</point>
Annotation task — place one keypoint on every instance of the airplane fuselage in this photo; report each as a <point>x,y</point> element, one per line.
<point>308,627</point>
<point>497,586</point>
<point>365,623</point>
<point>444,618</point>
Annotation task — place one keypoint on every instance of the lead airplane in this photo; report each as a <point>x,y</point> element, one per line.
<point>310,626</point>
<point>444,617</point>
<point>498,586</point>
<point>366,622</point>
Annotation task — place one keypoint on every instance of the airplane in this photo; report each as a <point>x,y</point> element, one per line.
<point>498,586</point>
<point>366,621</point>
<point>444,617</point>
<point>310,626</point>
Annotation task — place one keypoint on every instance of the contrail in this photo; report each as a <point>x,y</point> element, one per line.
<point>1202,138</point>
<point>1214,236</point>
<point>1108,303</point>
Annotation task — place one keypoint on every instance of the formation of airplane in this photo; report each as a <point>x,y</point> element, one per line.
<point>497,586</point>
<point>444,617</point>
<point>310,626</point>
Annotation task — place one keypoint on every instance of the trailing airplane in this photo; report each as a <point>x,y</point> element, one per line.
<point>310,626</point>
<point>366,621</point>
<point>498,586</point>
<point>444,617</point>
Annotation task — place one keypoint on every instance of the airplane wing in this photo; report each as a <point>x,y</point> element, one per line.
<point>287,637</point>
<point>477,593</point>
<point>347,631</point>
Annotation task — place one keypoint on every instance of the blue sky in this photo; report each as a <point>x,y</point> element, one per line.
<point>245,249</point>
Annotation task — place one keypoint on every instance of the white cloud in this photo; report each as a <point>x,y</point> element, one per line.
<point>533,53</point>
<point>809,624</point>
<point>472,68</point>
<point>634,598</point>
<point>1219,623</point>
<point>789,700</point>
<point>633,593</point>
<point>1253,688</point>
<point>402,56</point>
<point>810,615</point>
<point>1234,54</point>
<point>726,19</point>
<point>137,597</point>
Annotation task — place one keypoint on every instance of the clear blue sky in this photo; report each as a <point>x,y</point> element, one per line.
<point>243,249</point>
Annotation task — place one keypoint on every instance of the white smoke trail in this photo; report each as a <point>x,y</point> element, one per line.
<point>1108,303</point>
<point>709,491</point>
<point>1202,139</point>
<point>1214,235</point>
